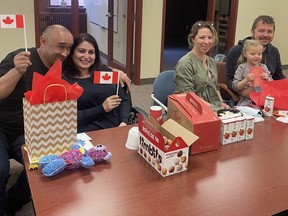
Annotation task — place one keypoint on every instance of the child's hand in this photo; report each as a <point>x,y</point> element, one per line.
<point>249,77</point>
<point>265,76</point>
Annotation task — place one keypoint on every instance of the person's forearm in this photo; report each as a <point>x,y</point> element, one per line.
<point>8,83</point>
<point>241,85</point>
<point>245,92</point>
<point>124,79</point>
<point>124,110</point>
<point>88,115</point>
<point>219,94</point>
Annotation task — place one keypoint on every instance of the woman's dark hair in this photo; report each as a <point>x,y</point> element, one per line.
<point>70,70</point>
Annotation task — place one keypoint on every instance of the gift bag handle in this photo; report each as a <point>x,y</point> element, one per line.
<point>53,85</point>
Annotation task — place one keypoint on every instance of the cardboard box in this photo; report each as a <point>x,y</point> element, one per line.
<point>191,112</point>
<point>165,160</point>
<point>268,106</point>
<point>234,130</point>
<point>241,121</point>
<point>225,134</point>
<point>249,127</point>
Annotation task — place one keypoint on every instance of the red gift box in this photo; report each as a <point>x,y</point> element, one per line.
<point>191,112</point>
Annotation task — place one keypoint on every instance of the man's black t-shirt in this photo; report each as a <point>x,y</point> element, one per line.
<point>11,108</point>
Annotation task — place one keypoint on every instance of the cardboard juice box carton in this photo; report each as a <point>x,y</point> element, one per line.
<point>165,147</point>
<point>268,106</point>
<point>241,121</point>
<point>234,130</point>
<point>249,127</point>
<point>191,112</point>
<point>225,134</point>
<point>230,126</point>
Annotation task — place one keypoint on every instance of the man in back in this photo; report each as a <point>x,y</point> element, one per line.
<point>263,29</point>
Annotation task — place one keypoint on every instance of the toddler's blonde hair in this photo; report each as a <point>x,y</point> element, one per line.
<point>248,43</point>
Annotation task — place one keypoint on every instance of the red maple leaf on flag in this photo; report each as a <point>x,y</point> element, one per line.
<point>8,20</point>
<point>106,77</point>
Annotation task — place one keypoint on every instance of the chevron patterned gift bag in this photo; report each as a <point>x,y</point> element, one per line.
<point>50,128</point>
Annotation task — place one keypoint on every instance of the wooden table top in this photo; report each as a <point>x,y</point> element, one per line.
<point>243,178</point>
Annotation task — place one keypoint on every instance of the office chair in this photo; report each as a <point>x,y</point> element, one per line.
<point>220,58</point>
<point>163,86</point>
<point>226,93</point>
<point>134,110</point>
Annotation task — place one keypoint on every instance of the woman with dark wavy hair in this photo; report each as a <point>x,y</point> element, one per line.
<point>99,106</point>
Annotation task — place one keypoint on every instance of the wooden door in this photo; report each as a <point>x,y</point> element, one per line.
<point>227,25</point>
<point>120,35</point>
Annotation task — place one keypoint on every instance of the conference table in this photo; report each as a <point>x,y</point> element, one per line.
<point>243,178</point>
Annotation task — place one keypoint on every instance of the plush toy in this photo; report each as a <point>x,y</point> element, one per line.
<point>75,158</point>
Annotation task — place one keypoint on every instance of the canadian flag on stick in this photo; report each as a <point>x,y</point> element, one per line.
<point>11,21</point>
<point>106,77</point>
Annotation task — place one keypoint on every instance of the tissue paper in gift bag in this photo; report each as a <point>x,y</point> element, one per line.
<point>50,114</point>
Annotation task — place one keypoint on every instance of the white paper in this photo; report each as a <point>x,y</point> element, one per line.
<point>249,111</point>
<point>83,136</point>
<point>282,119</point>
<point>86,141</point>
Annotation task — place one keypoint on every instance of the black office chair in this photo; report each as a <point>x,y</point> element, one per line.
<point>163,86</point>
<point>134,110</point>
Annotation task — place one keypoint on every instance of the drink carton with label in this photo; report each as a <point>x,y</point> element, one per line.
<point>268,106</point>
<point>249,127</point>
<point>241,121</point>
<point>225,132</point>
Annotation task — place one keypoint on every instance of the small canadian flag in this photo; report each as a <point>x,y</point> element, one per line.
<point>106,77</point>
<point>11,21</point>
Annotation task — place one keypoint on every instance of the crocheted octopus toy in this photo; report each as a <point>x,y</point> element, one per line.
<point>75,158</point>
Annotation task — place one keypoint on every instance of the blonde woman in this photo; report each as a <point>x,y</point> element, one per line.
<point>196,71</point>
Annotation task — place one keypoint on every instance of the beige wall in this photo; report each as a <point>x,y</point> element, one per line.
<point>12,39</point>
<point>249,10</point>
<point>151,38</point>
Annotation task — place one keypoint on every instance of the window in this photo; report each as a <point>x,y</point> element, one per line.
<point>58,2</point>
